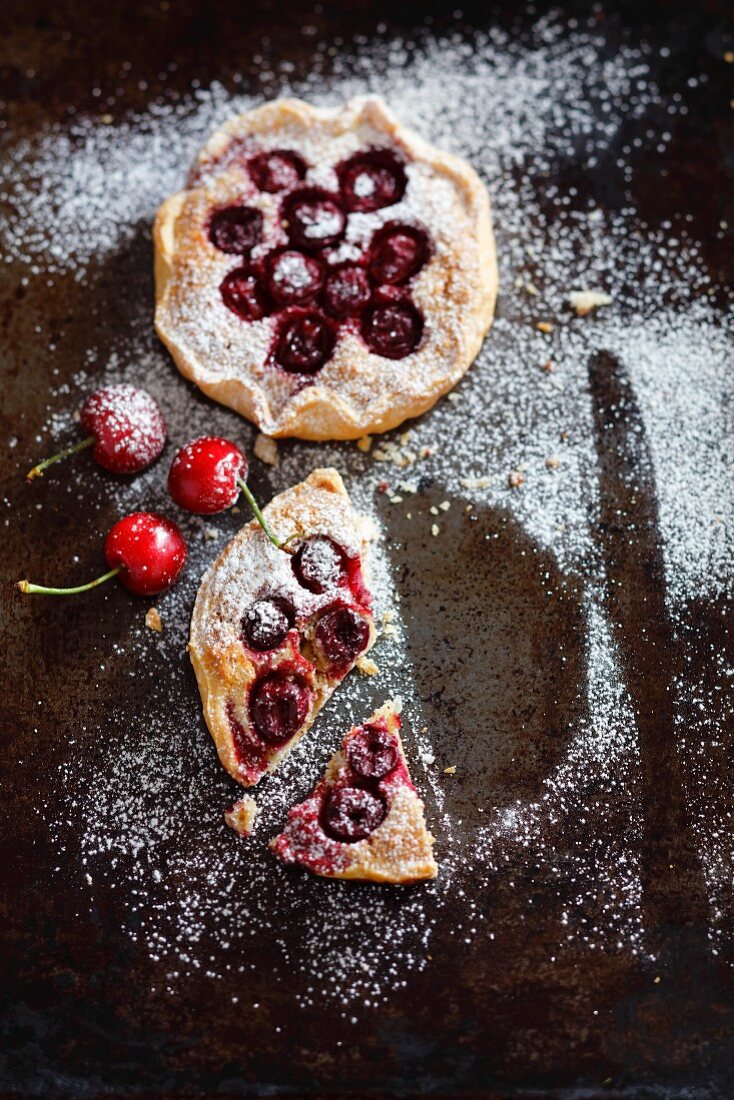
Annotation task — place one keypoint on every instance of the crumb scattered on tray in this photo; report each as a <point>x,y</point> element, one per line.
<point>153,620</point>
<point>241,815</point>
<point>367,666</point>
<point>583,301</point>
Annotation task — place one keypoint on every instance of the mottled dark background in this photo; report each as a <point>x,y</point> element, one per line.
<point>75,1015</point>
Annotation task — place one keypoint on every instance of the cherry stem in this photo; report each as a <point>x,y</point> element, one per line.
<point>37,471</point>
<point>260,517</point>
<point>42,590</point>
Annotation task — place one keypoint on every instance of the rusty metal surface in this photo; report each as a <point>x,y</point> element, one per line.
<point>84,1009</point>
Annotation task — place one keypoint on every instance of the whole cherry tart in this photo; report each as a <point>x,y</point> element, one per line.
<point>328,288</point>
<point>364,820</point>
<point>276,628</point>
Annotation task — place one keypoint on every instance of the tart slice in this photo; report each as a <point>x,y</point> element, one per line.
<point>275,630</point>
<point>364,820</point>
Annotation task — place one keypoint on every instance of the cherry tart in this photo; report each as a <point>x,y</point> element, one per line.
<point>364,820</point>
<point>326,273</point>
<point>276,629</point>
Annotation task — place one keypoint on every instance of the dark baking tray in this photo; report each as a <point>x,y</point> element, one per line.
<point>85,1010</point>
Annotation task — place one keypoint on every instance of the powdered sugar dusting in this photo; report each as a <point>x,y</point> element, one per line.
<point>204,899</point>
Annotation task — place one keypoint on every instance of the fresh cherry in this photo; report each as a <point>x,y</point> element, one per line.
<point>146,551</point>
<point>351,813</point>
<point>371,180</point>
<point>293,278</point>
<point>236,229</point>
<point>346,290</point>
<point>392,329</point>
<point>313,218</point>
<point>305,342</point>
<point>279,706</point>
<point>242,294</point>
<point>397,253</point>
<point>277,170</point>
<point>207,476</point>
<point>266,623</point>
<point>319,564</point>
<point>373,752</point>
<point>341,634</point>
<point>123,424</point>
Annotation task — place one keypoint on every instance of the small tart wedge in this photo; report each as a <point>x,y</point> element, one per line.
<point>364,820</point>
<point>275,630</point>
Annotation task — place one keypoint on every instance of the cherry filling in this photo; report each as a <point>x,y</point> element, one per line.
<point>371,180</point>
<point>341,634</point>
<point>279,707</point>
<point>266,623</point>
<point>397,253</point>
<point>278,170</point>
<point>351,814</point>
<point>393,329</point>
<point>305,342</point>
<point>373,752</point>
<point>346,291</point>
<point>294,279</point>
<point>243,295</point>
<point>236,229</point>
<point>319,564</point>
<point>313,219</point>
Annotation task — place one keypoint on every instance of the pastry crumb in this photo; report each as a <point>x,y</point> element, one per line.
<point>153,620</point>
<point>445,505</point>
<point>553,462</point>
<point>453,397</point>
<point>241,815</point>
<point>210,533</point>
<point>544,326</point>
<point>450,771</point>
<point>435,529</point>
<point>475,482</point>
<point>235,511</point>
<point>583,301</point>
<point>433,510</point>
<point>516,478</point>
<point>367,666</point>
<point>266,449</point>
<point>364,443</point>
<point>548,366</point>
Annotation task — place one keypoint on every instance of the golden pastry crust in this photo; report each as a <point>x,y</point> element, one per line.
<point>357,392</point>
<point>398,851</point>
<point>251,568</point>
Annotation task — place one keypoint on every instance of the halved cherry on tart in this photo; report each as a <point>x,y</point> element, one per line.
<point>279,705</point>
<point>371,180</point>
<point>236,229</point>
<point>352,813</point>
<point>242,293</point>
<point>313,219</point>
<point>305,341</point>
<point>346,290</point>
<point>341,634</point>
<point>293,278</point>
<point>277,170</point>
<point>392,329</point>
<point>266,623</point>
<point>320,564</point>
<point>373,751</point>
<point>397,253</point>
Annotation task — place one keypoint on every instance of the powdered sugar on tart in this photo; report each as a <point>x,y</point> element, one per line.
<point>274,631</point>
<point>326,273</point>
<point>364,820</point>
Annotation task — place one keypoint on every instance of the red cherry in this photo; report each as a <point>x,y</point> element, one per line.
<point>313,219</point>
<point>243,295</point>
<point>320,564</point>
<point>351,814</point>
<point>397,253</point>
<point>124,425</point>
<point>371,180</point>
<point>346,290</point>
<point>292,278</point>
<point>146,551</point>
<point>266,623</point>
<point>149,548</point>
<point>205,475</point>
<point>277,170</point>
<point>236,229</point>
<point>341,634</point>
<point>305,342</point>
<point>392,330</point>
<point>373,751</point>
<point>279,706</point>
